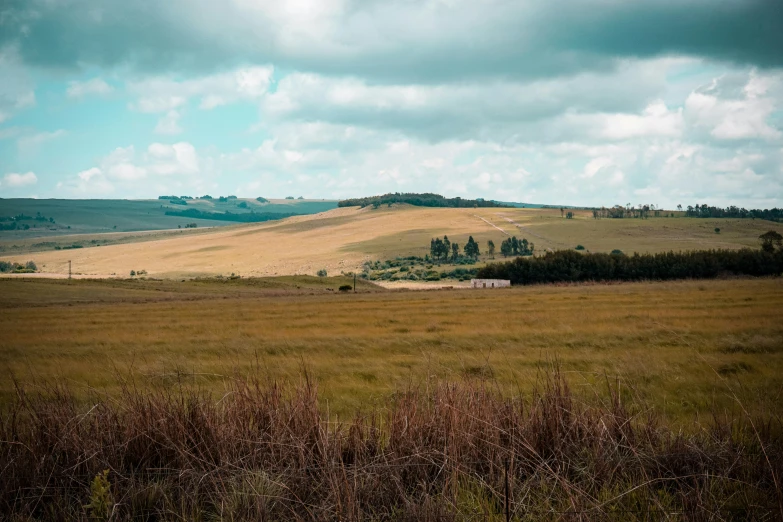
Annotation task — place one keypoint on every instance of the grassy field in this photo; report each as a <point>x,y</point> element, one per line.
<point>684,348</point>
<point>343,239</point>
<point>103,215</point>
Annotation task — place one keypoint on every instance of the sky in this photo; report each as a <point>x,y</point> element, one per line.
<point>573,102</point>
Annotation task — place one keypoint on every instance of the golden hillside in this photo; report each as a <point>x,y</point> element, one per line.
<point>342,239</point>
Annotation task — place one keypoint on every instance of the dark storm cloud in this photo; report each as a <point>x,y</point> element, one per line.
<point>425,42</point>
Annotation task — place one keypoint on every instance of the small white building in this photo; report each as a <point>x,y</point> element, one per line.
<point>490,283</point>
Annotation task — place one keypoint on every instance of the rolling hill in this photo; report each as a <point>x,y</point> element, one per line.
<point>342,239</point>
<point>122,215</point>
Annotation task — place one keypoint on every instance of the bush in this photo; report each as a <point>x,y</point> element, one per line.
<point>717,230</point>
<point>31,266</point>
<point>579,247</point>
<point>345,288</point>
<point>617,252</point>
<point>321,272</point>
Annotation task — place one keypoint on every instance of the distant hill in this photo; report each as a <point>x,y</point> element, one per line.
<point>419,200</point>
<point>343,239</point>
<point>90,216</point>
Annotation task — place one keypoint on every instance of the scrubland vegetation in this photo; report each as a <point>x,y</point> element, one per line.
<point>441,452</point>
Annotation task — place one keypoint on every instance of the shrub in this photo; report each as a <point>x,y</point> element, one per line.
<point>30,265</point>
<point>345,288</point>
<point>133,273</point>
<point>322,272</point>
<point>579,247</point>
<point>617,252</point>
<point>717,230</point>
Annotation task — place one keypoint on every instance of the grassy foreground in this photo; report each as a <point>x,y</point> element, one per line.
<point>450,453</point>
<point>283,399</point>
<point>684,348</point>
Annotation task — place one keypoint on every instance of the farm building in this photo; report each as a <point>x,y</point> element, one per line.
<point>489,283</point>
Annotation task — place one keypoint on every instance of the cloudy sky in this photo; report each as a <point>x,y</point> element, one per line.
<point>581,102</point>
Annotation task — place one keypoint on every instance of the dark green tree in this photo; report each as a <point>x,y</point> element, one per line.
<point>505,247</point>
<point>454,251</point>
<point>472,248</point>
<point>491,248</point>
<point>770,240</point>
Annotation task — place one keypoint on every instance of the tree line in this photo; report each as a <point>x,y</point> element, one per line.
<point>698,211</point>
<point>571,266</point>
<point>443,249</point>
<point>705,211</point>
<point>514,247</point>
<point>419,200</point>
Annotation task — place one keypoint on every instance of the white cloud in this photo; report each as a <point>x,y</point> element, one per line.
<point>169,124</point>
<point>90,182</point>
<point>141,174</point>
<point>656,120</point>
<point>29,144</point>
<point>15,180</point>
<point>159,103</point>
<point>733,111</point>
<point>87,175</point>
<point>496,109</point>
<point>94,86</point>
<point>177,159</point>
<point>162,94</point>
<point>120,165</point>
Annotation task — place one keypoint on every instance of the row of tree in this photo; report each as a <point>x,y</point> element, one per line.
<point>419,200</point>
<point>706,211</point>
<point>443,249</point>
<point>516,247</point>
<point>6,267</point>
<point>571,266</point>
<point>700,211</point>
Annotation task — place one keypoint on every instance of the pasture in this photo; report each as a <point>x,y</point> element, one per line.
<point>341,240</point>
<point>685,349</point>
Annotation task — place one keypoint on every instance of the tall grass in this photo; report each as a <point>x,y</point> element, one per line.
<point>445,451</point>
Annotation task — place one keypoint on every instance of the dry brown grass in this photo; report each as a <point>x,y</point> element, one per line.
<point>684,347</point>
<point>452,452</point>
<point>342,239</point>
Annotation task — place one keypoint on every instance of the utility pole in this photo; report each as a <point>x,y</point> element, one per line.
<point>69,269</point>
<point>354,282</point>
